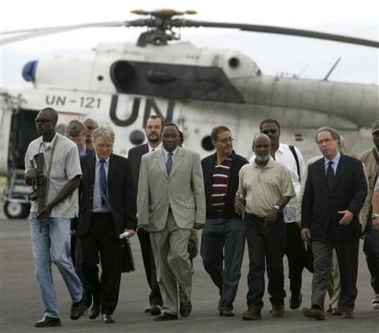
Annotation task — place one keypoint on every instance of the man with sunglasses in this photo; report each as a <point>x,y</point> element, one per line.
<point>292,158</point>
<point>52,167</point>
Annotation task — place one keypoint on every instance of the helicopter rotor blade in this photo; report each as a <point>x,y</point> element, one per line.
<point>282,31</point>
<point>19,35</point>
<point>162,20</point>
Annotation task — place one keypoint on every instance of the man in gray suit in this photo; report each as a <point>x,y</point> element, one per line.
<point>170,203</point>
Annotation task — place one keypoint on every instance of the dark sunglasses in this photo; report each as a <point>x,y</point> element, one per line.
<point>272,131</point>
<point>42,120</point>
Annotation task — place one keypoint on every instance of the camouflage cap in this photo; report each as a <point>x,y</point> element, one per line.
<point>375,127</point>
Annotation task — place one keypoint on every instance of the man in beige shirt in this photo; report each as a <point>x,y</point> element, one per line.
<point>265,187</point>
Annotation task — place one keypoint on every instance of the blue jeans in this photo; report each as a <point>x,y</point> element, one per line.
<point>266,243</point>
<point>222,248</point>
<point>50,238</point>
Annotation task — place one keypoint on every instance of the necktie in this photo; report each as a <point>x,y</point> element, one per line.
<point>330,174</point>
<point>169,163</point>
<point>103,185</point>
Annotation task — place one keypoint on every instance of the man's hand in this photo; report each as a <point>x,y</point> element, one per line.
<point>346,218</point>
<point>305,234</point>
<point>31,177</point>
<point>198,226</point>
<point>144,228</point>
<point>44,212</point>
<point>239,205</point>
<point>375,223</point>
<point>272,215</point>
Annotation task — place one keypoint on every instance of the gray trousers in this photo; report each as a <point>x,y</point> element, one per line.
<point>170,248</point>
<point>347,255</point>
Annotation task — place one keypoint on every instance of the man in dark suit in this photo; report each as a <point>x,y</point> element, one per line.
<point>170,203</point>
<point>334,194</point>
<point>153,131</point>
<point>107,208</point>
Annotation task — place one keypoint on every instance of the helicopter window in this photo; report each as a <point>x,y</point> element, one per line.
<point>234,62</point>
<point>29,71</point>
<point>137,137</point>
<point>23,131</point>
<point>123,74</point>
<point>207,144</point>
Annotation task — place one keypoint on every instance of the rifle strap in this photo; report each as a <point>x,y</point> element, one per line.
<point>50,165</point>
<point>292,148</point>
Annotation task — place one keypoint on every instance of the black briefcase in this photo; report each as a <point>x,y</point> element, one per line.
<point>127,262</point>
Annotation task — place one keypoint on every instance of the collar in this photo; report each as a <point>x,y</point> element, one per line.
<point>165,152</point>
<point>98,159</point>
<point>335,160</point>
<point>269,164</point>
<point>150,148</point>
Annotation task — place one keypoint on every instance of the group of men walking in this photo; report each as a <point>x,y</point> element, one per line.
<point>163,192</point>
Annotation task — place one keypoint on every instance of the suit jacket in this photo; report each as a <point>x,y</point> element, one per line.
<point>121,193</point>
<point>182,191</point>
<point>320,205</point>
<point>135,156</point>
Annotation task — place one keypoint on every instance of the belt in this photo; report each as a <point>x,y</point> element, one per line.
<point>256,217</point>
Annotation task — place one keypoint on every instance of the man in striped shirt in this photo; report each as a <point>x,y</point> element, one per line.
<point>223,236</point>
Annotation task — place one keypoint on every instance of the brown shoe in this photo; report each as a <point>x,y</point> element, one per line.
<point>314,313</point>
<point>252,313</point>
<point>348,315</point>
<point>277,310</point>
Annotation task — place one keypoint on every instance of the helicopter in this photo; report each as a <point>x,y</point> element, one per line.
<point>121,84</point>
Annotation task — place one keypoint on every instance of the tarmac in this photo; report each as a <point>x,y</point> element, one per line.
<point>21,306</point>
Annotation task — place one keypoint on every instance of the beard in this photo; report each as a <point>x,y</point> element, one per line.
<point>262,158</point>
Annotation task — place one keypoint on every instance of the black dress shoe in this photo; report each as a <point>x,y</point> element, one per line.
<point>155,310</point>
<point>48,322</point>
<point>78,308</point>
<point>166,316</point>
<point>295,301</point>
<point>185,309</point>
<point>94,311</point>
<point>147,310</point>
<point>107,318</point>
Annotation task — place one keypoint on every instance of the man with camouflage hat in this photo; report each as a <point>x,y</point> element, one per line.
<point>371,237</point>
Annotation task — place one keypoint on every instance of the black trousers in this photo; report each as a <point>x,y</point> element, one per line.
<point>155,297</point>
<point>295,255</point>
<point>101,239</point>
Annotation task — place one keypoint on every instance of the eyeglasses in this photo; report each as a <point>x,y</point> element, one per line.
<point>326,141</point>
<point>272,131</point>
<point>226,140</point>
<point>42,120</point>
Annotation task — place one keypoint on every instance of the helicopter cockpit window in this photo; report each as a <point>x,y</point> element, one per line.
<point>29,71</point>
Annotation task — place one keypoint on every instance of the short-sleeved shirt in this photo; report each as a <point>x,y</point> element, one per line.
<point>65,165</point>
<point>262,188</point>
<point>285,156</point>
<point>376,187</point>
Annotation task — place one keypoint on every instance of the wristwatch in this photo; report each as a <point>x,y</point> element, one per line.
<point>277,207</point>
<point>374,216</point>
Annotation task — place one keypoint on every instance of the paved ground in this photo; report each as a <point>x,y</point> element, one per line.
<point>20,304</point>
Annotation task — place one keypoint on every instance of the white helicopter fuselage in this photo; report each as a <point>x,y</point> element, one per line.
<point>121,85</point>
<point>215,87</point>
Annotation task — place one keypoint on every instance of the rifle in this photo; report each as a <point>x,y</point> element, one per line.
<point>39,188</point>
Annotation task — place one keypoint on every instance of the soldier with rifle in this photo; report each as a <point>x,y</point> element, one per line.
<point>53,170</point>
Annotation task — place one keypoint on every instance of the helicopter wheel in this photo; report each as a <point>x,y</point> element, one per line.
<point>16,210</point>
